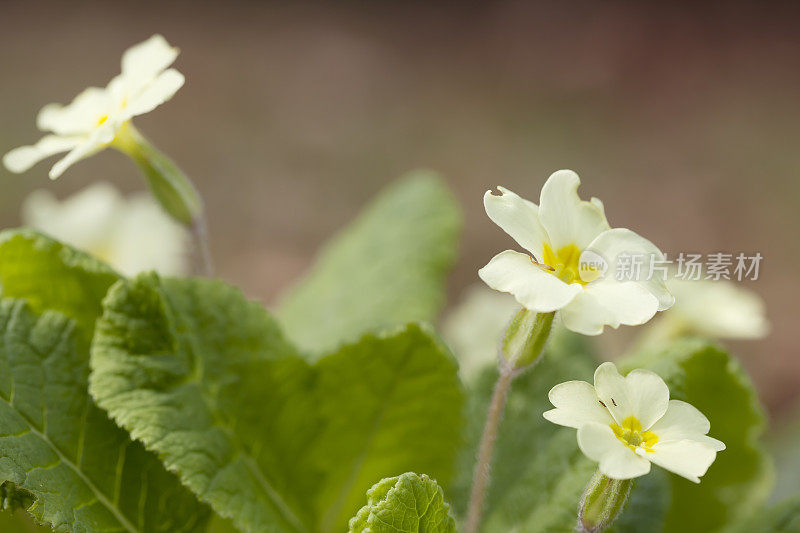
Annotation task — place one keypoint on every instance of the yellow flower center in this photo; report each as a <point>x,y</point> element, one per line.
<point>632,436</point>
<point>565,263</point>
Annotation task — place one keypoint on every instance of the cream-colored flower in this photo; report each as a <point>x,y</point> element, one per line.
<point>627,423</point>
<point>132,235</point>
<point>719,309</point>
<point>93,119</point>
<point>573,255</point>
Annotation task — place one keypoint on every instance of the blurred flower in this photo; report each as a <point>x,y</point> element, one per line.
<point>571,246</point>
<point>626,423</point>
<point>93,119</point>
<point>474,327</point>
<point>131,234</point>
<point>719,309</point>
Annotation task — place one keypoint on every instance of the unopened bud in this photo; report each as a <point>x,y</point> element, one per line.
<point>602,501</point>
<point>525,337</point>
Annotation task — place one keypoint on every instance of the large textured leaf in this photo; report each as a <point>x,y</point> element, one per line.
<point>741,477</point>
<point>539,474</point>
<point>409,503</point>
<point>52,275</point>
<point>58,448</point>
<point>208,381</point>
<point>387,268</point>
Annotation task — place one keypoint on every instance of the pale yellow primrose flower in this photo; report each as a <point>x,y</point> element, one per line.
<point>568,237</point>
<point>130,234</point>
<point>91,122</point>
<point>627,423</point>
<point>718,309</point>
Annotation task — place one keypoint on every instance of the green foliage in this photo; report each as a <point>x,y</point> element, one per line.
<point>539,474</point>
<point>387,268</point>
<point>59,448</point>
<point>781,518</point>
<point>54,276</point>
<point>741,477</point>
<point>208,381</point>
<point>409,503</point>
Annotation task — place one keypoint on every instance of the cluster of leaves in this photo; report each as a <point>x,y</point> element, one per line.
<point>153,404</point>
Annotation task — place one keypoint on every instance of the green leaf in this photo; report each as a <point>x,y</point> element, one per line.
<point>409,503</point>
<point>741,478</point>
<point>57,446</point>
<point>387,268</point>
<point>538,472</point>
<point>51,275</point>
<point>20,522</point>
<point>781,518</point>
<point>207,380</point>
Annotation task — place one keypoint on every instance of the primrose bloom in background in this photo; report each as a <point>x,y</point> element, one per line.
<point>626,423</point>
<point>717,309</point>
<point>95,117</point>
<point>571,260</point>
<point>131,234</point>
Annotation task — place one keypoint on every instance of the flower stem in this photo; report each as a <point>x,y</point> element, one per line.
<point>480,480</point>
<point>171,188</point>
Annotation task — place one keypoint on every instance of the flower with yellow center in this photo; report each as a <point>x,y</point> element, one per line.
<point>95,117</point>
<point>572,259</point>
<point>627,423</point>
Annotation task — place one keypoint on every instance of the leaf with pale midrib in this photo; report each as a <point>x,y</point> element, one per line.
<point>408,503</point>
<point>85,473</point>
<point>207,380</point>
<point>386,269</point>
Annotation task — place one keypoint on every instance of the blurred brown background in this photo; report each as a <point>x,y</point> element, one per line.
<point>683,118</point>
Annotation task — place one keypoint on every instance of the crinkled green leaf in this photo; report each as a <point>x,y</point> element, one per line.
<point>387,268</point>
<point>409,503</point>
<point>51,275</point>
<point>58,447</point>
<point>781,518</point>
<point>538,472</point>
<point>207,380</point>
<point>741,478</point>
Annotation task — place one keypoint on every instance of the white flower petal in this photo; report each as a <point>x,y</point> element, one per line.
<point>154,94</point>
<point>649,396</point>
<point>533,288</point>
<point>148,58</point>
<point>566,218</point>
<point>517,217</point>
<point>21,159</point>
<point>616,460</point>
<point>608,303</point>
<point>98,140</point>
<point>80,117</point>
<point>146,238</point>
<point>718,309</point>
<point>683,421</point>
<point>614,244</point>
<point>687,458</point>
<point>576,404</point>
<point>86,219</point>
<point>641,394</point>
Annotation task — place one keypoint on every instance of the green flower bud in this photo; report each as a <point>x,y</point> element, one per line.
<point>169,185</point>
<point>525,337</point>
<point>602,501</point>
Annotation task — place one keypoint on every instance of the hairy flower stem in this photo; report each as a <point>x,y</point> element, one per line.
<point>521,346</point>
<point>480,479</point>
<point>202,261</point>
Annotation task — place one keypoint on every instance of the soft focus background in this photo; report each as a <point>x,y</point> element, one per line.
<point>683,119</point>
